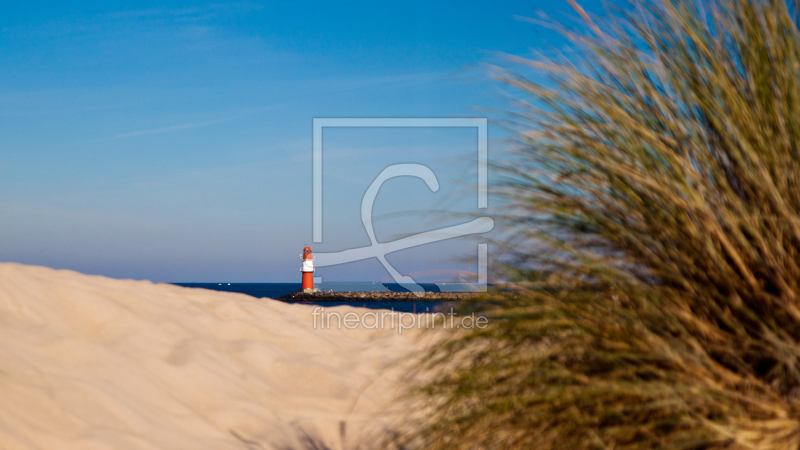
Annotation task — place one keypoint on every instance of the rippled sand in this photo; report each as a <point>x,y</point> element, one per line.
<point>88,362</point>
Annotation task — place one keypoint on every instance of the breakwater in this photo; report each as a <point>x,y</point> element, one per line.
<point>375,296</point>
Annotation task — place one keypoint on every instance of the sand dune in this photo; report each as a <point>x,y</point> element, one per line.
<point>88,362</point>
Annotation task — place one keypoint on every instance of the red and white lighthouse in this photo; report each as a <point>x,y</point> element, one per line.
<point>308,271</point>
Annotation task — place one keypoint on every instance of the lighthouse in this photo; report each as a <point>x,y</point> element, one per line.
<point>308,271</point>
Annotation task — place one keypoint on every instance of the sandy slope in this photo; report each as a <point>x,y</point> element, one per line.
<point>88,362</point>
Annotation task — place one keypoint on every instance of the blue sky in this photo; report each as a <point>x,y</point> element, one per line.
<point>172,141</point>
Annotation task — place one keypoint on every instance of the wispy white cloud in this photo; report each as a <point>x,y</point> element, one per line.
<point>122,21</point>
<point>197,12</point>
<point>184,126</point>
<point>400,80</point>
<point>404,79</point>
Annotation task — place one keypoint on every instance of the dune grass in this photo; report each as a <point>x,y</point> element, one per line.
<point>654,196</point>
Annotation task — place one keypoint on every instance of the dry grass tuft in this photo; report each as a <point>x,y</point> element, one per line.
<point>655,192</point>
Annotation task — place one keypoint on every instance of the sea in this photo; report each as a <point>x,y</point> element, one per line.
<point>275,290</point>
